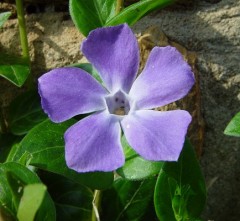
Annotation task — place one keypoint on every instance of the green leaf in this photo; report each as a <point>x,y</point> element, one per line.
<point>134,12</point>
<point>233,128</point>
<point>90,69</point>
<point>25,113</point>
<point>8,59</point>
<point>33,195</point>
<point>4,17</point>
<point>14,68</point>
<point>135,167</point>
<point>91,14</point>
<point>16,185</point>
<point>15,73</point>
<point>13,178</point>
<point>180,192</point>
<point>73,201</point>
<point>43,147</point>
<point>127,200</point>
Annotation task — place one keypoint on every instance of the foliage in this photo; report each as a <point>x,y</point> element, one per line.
<point>31,200</point>
<point>4,17</point>
<point>180,192</point>
<point>233,128</point>
<point>35,182</point>
<point>104,13</point>
<point>13,68</point>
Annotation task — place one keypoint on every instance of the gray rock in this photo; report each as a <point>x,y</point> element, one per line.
<point>213,32</point>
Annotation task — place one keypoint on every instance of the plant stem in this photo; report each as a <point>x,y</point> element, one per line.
<point>22,30</point>
<point>24,39</point>
<point>119,6</point>
<point>96,205</point>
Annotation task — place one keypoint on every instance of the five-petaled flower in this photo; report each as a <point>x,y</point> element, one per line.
<point>121,103</point>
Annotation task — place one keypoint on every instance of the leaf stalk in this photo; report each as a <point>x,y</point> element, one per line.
<point>24,39</point>
<point>22,30</point>
<point>119,6</point>
<point>96,204</point>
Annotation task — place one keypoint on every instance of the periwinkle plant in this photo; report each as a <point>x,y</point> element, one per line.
<point>121,145</point>
<point>93,144</point>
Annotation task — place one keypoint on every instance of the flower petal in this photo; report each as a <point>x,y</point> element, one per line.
<point>113,51</point>
<point>165,79</point>
<point>66,92</point>
<point>93,144</point>
<point>157,135</point>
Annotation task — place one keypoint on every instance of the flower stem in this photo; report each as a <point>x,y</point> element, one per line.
<point>96,205</point>
<point>119,6</point>
<point>24,39</point>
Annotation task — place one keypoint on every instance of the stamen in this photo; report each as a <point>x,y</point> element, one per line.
<point>119,111</point>
<point>118,103</point>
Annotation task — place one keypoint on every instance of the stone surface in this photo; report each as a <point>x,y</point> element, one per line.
<point>210,30</point>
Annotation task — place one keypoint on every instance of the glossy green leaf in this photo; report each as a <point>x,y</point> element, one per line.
<point>25,113</point>
<point>13,178</point>
<point>16,185</point>
<point>180,192</point>
<point>134,12</point>
<point>127,200</point>
<point>135,167</point>
<point>73,201</point>
<point>15,73</point>
<point>233,128</point>
<point>14,68</point>
<point>91,14</point>
<point>4,17</point>
<point>31,200</point>
<point>43,147</point>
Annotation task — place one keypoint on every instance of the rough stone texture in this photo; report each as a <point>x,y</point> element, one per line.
<point>212,31</point>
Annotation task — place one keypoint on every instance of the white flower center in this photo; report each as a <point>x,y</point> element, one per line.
<point>118,103</point>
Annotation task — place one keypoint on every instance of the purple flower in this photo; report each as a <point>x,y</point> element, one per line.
<point>93,143</point>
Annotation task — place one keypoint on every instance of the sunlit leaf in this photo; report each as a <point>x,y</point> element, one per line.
<point>91,14</point>
<point>13,178</point>
<point>180,192</point>
<point>4,17</point>
<point>15,73</point>
<point>233,128</point>
<point>33,195</point>
<point>134,12</point>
